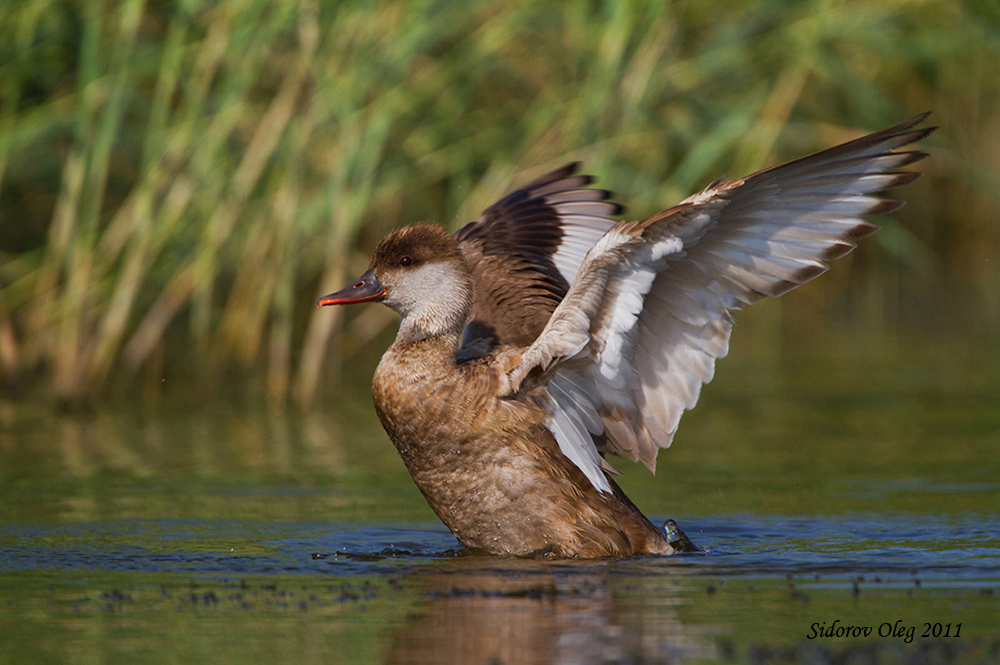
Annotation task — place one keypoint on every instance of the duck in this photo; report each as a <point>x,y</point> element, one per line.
<point>547,336</point>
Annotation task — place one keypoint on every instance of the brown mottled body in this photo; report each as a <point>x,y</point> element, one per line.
<point>489,468</point>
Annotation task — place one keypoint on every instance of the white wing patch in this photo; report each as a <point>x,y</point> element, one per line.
<point>581,232</point>
<point>571,420</point>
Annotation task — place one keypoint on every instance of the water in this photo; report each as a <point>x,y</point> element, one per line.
<point>833,493</point>
<point>193,590</point>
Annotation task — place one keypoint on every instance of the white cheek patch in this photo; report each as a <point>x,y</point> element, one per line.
<point>431,295</point>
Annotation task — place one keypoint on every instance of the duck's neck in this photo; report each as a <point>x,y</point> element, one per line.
<point>440,317</point>
<point>413,330</point>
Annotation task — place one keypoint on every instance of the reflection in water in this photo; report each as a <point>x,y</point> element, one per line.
<point>478,612</point>
<point>127,464</point>
<point>204,441</point>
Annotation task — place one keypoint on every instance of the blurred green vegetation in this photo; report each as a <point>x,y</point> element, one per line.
<point>180,180</point>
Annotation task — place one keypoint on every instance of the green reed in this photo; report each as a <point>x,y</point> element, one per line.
<point>179,181</point>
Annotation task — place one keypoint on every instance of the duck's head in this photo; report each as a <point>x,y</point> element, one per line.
<point>419,272</point>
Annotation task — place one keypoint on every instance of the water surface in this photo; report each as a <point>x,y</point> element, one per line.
<point>833,492</point>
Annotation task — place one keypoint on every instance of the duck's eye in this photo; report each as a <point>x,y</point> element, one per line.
<point>406,261</point>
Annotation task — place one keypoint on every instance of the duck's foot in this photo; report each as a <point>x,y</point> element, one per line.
<point>678,539</point>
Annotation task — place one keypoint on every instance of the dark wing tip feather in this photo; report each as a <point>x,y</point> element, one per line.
<point>842,248</point>
<point>616,208</point>
<point>903,178</point>
<point>560,185</point>
<point>900,130</point>
<point>880,207</point>
<point>917,134</point>
<point>910,156</point>
<point>865,228</point>
<point>554,176</point>
<point>808,272</point>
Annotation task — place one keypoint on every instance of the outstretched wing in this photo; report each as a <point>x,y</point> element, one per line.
<point>525,251</point>
<point>638,333</point>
